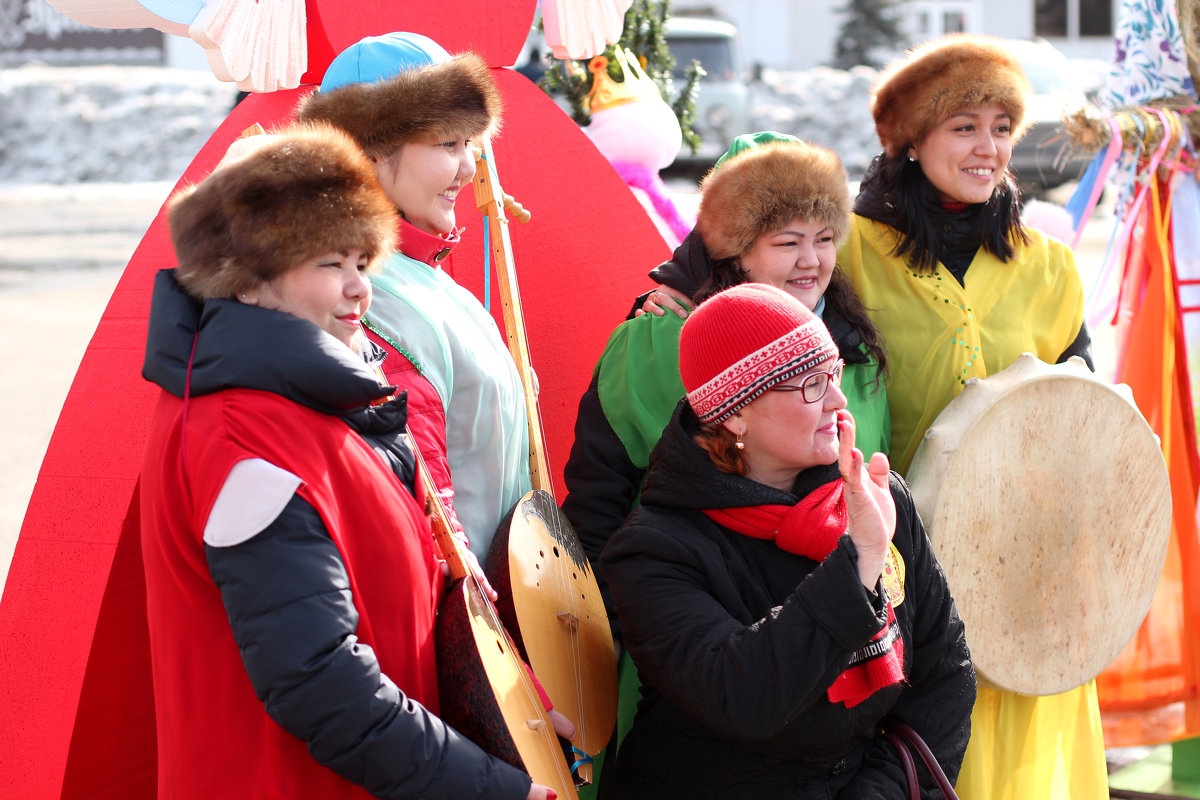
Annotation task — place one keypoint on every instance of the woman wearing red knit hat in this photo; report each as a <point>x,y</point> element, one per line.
<point>959,288</point>
<point>777,611</point>
<point>772,211</point>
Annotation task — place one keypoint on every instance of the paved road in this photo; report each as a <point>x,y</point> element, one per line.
<point>62,250</point>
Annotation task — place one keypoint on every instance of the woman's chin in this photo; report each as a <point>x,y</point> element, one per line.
<point>809,297</point>
<point>356,342</point>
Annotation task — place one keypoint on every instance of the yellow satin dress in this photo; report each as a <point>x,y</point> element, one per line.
<point>938,334</point>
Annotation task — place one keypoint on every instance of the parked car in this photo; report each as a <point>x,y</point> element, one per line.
<point>723,102</point>
<point>1044,158</point>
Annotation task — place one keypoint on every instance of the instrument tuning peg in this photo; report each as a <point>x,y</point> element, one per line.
<point>513,207</point>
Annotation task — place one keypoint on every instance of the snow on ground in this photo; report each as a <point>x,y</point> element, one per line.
<point>63,125</point>
<point>824,106</point>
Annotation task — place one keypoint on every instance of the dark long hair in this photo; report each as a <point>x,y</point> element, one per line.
<point>839,296</point>
<point>896,192</point>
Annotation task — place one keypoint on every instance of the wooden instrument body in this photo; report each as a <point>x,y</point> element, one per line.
<point>550,600</point>
<point>486,694</point>
<point>1047,500</point>
<point>484,689</point>
<point>537,560</point>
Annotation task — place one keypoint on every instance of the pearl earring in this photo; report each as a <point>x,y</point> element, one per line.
<point>739,444</point>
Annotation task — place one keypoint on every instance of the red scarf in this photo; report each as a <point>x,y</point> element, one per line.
<point>811,528</point>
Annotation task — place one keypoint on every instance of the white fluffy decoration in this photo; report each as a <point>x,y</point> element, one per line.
<point>643,132</point>
<point>1050,219</point>
<point>262,47</point>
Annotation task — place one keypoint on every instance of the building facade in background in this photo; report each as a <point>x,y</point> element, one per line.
<point>794,35</point>
<point>30,30</point>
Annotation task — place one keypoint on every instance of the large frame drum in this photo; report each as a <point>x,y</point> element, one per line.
<point>1047,500</point>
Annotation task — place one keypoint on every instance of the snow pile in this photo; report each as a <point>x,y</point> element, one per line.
<point>824,106</point>
<point>64,125</point>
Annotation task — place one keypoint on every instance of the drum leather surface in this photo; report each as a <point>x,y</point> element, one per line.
<point>1047,500</point>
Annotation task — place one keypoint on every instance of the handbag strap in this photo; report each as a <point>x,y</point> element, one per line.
<point>906,761</point>
<point>894,731</point>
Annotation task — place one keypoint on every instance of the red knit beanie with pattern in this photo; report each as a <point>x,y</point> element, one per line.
<point>741,342</point>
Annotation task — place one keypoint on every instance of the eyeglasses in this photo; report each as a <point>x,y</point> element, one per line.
<point>814,387</point>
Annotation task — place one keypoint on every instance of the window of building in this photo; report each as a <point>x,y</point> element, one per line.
<point>1095,18</point>
<point>927,19</point>
<point>1073,18</point>
<point>1050,17</point>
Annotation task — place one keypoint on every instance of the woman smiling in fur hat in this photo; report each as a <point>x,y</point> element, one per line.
<point>291,579</point>
<point>937,220</point>
<point>772,210</point>
<point>416,112</point>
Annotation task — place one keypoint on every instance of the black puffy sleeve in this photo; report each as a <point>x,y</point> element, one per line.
<point>287,595</point>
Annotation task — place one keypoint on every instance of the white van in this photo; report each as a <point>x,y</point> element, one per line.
<point>723,102</point>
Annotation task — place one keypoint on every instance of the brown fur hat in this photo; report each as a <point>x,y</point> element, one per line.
<point>454,98</point>
<point>273,202</point>
<point>943,76</point>
<point>761,189</point>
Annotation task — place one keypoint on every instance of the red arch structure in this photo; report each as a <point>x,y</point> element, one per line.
<point>76,707</point>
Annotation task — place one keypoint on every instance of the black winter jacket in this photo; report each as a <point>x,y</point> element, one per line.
<point>737,641</point>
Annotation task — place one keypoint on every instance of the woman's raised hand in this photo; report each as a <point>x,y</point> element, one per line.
<point>869,502</point>
<point>539,792</point>
<point>664,298</point>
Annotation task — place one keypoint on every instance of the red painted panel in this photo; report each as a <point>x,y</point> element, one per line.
<point>496,30</point>
<point>66,676</point>
<point>72,614</point>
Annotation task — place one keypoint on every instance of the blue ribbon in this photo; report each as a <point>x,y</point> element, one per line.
<point>584,758</point>
<point>487,265</point>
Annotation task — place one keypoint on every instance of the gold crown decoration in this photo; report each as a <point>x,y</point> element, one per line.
<point>607,93</point>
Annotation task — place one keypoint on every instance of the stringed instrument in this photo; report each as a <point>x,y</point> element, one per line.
<point>549,595</point>
<point>484,689</point>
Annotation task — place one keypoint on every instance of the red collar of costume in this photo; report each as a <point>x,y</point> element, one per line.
<point>811,528</point>
<point>426,247</point>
